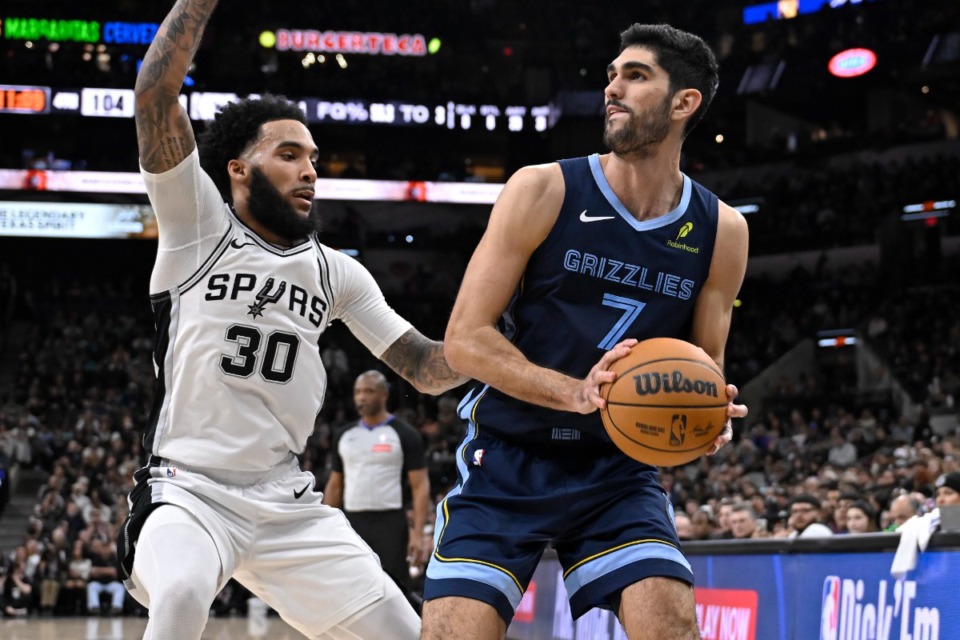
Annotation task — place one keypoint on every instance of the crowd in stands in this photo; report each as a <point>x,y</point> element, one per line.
<point>822,207</point>
<point>83,388</point>
<point>820,454</point>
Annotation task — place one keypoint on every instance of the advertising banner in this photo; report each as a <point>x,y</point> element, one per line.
<point>101,182</point>
<point>76,220</point>
<point>777,596</point>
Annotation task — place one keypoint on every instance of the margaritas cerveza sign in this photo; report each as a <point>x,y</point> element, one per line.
<point>91,31</point>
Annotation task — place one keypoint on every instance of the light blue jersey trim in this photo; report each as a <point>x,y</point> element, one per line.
<point>646,225</point>
<point>599,567</point>
<point>464,472</point>
<point>465,408</point>
<point>466,569</point>
<point>481,573</point>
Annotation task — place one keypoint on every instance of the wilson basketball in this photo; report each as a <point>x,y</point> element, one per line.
<point>668,403</point>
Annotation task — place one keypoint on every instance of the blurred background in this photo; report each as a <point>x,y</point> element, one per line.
<point>835,131</point>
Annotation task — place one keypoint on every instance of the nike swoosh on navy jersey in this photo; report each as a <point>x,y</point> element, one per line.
<point>585,218</point>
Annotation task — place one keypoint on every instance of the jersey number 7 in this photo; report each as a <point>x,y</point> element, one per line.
<point>631,309</point>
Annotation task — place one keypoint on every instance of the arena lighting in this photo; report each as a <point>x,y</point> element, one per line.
<point>836,338</point>
<point>852,63</point>
<point>747,205</point>
<point>789,9</point>
<point>930,205</point>
<point>928,211</point>
<point>268,39</point>
<point>102,182</point>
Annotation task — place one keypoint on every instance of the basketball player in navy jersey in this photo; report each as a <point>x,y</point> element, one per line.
<point>242,290</point>
<point>580,260</point>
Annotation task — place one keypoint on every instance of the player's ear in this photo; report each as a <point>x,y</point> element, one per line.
<point>238,170</point>
<point>685,103</point>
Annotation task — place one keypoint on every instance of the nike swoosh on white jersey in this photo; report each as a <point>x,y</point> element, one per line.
<point>585,218</point>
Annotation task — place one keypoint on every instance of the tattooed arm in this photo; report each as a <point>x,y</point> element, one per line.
<point>420,361</point>
<point>164,133</point>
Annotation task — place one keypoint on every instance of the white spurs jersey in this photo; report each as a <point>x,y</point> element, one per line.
<point>239,376</point>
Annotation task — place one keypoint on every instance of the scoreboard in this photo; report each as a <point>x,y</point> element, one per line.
<point>23,99</point>
<point>107,103</point>
<point>202,105</point>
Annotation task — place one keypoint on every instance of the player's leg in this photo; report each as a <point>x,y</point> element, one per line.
<point>308,564</point>
<point>462,618</point>
<point>491,531</point>
<point>623,554</point>
<point>391,612</point>
<point>176,571</point>
<point>672,600</point>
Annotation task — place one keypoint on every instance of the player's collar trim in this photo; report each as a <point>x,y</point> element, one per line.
<point>645,225</point>
<point>272,248</point>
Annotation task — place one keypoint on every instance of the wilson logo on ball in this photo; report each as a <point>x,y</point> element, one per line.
<point>676,382</point>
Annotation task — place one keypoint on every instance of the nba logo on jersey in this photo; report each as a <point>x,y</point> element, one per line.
<point>830,609</point>
<point>171,472</point>
<point>478,457</point>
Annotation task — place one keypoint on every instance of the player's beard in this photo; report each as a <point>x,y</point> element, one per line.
<point>268,207</point>
<point>641,133</point>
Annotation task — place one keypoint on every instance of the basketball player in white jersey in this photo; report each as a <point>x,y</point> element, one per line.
<point>242,291</point>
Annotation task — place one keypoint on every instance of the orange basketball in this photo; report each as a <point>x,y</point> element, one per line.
<point>668,403</point>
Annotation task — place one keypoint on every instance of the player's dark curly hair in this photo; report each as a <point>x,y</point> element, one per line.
<point>235,127</point>
<point>686,57</point>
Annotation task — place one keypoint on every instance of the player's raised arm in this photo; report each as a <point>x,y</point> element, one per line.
<point>164,133</point>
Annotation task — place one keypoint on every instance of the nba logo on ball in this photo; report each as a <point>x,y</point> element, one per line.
<point>830,609</point>
<point>678,429</point>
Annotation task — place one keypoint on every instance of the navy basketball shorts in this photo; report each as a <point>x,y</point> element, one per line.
<point>606,515</point>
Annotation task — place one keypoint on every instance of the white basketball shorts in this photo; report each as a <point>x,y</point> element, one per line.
<point>273,536</point>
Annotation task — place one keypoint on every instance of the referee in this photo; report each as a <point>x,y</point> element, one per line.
<point>368,463</point>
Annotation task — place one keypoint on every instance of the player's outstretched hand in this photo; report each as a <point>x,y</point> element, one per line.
<point>733,411</point>
<point>587,399</point>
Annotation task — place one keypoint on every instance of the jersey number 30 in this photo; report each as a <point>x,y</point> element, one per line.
<point>278,359</point>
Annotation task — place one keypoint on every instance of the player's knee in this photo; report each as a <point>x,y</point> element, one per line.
<point>673,601</point>
<point>188,596</point>
<point>392,611</point>
<point>684,626</point>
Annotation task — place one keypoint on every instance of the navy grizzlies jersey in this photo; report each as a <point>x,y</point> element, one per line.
<point>599,277</point>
